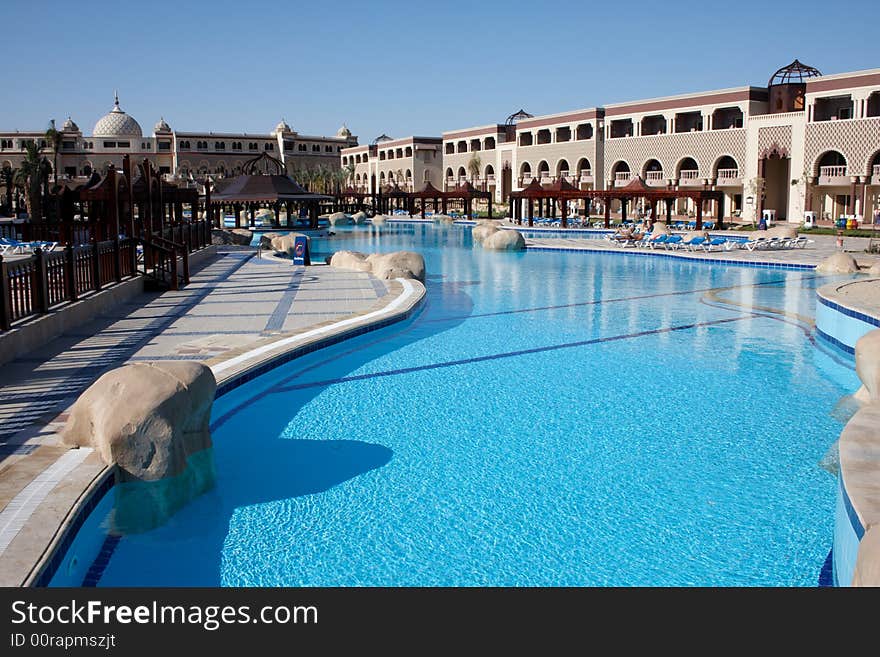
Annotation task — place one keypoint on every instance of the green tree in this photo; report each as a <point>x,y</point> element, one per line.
<point>473,166</point>
<point>53,139</point>
<point>7,179</point>
<point>29,176</point>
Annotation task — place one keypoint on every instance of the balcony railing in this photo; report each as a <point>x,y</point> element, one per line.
<point>622,176</point>
<point>728,173</point>
<point>462,179</point>
<point>831,172</point>
<point>546,178</point>
<point>490,177</point>
<point>877,169</point>
<point>653,175</point>
<point>585,175</point>
<point>689,174</point>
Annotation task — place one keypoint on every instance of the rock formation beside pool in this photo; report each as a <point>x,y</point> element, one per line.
<point>379,220</point>
<point>240,236</point>
<point>281,243</point>
<point>384,266</point>
<point>839,263</point>
<point>868,367</point>
<point>359,218</point>
<point>504,240</point>
<point>482,230</point>
<point>152,422</point>
<point>338,219</point>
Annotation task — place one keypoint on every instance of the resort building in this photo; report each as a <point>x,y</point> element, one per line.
<point>407,163</point>
<point>804,145</point>
<point>179,153</point>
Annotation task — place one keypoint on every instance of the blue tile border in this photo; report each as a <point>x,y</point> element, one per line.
<point>835,342</point>
<point>850,511</point>
<point>679,257</point>
<point>826,573</point>
<point>82,512</point>
<point>849,312</point>
<point>84,509</point>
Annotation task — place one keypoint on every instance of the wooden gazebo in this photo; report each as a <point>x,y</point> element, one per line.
<point>252,190</point>
<point>392,197</point>
<point>429,193</point>
<point>561,191</point>
<point>466,193</point>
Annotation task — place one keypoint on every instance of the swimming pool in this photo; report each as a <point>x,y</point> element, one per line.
<point>545,419</point>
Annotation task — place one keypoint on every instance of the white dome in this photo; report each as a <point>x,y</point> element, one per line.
<point>161,126</point>
<point>69,126</point>
<point>282,127</point>
<point>117,124</point>
<point>343,131</point>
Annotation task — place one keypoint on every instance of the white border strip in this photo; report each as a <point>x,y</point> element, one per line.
<point>22,506</point>
<point>408,291</point>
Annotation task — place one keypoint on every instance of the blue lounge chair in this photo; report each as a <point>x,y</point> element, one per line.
<point>656,240</point>
<point>693,243</point>
<point>672,242</point>
<point>720,242</point>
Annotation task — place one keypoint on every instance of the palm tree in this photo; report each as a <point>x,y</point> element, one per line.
<point>473,166</point>
<point>53,139</point>
<point>7,178</point>
<point>29,176</point>
<point>349,173</point>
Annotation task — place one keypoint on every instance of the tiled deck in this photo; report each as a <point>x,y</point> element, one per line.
<point>236,305</point>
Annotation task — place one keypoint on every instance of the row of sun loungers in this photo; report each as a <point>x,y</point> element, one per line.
<point>9,246</point>
<point>710,244</point>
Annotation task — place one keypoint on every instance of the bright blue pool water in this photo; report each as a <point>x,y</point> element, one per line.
<point>545,419</point>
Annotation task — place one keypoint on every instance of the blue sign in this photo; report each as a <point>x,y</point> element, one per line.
<point>301,250</point>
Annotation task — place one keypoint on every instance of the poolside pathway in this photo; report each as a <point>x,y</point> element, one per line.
<point>237,302</point>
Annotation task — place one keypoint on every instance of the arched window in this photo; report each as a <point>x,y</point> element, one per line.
<point>462,147</point>
<point>525,169</point>
<point>543,169</point>
<point>832,163</point>
<point>688,169</point>
<point>462,174</point>
<point>408,151</point>
<point>489,143</point>
<point>562,168</point>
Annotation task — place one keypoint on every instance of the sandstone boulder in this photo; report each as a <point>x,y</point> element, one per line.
<point>868,367</point>
<point>379,220</point>
<point>146,418</point>
<point>338,219</point>
<point>359,218</point>
<point>481,231</point>
<point>400,264</point>
<point>351,260</point>
<point>266,240</point>
<point>239,236</point>
<point>505,240</point>
<point>839,263</point>
<point>875,269</point>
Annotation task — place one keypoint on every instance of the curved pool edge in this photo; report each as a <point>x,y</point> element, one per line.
<point>841,321</point>
<point>404,298</point>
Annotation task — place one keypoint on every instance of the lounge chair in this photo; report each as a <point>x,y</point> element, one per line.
<point>672,242</point>
<point>656,240</point>
<point>720,242</point>
<point>693,243</point>
<point>756,243</point>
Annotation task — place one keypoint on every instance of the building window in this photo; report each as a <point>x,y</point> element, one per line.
<point>450,148</point>
<point>316,148</point>
<point>328,149</point>
<point>123,144</point>
<point>220,145</point>
<point>109,144</point>
<point>252,146</point>
<point>164,169</point>
<point>270,147</point>
<point>302,148</point>
<point>288,146</point>
<point>164,145</point>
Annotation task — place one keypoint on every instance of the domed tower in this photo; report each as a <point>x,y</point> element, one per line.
<point>69,126</point>
<point>788,86</point>
<point>344,132</point>
<point>117,124</point>
<point>161,127</point>
<point>282,129</point>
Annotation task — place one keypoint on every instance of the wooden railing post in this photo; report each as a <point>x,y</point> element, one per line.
<point>70,271</point>
<point>133,243</point>
<point>117,260</point>
<point>41,284</point>
<point>5,310</point>
<point>185,254</point>
<point>96,265</point>
<point>172,268</point>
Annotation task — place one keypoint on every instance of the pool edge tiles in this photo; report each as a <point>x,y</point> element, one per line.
<point>840,323</point>
<point>402,307</point>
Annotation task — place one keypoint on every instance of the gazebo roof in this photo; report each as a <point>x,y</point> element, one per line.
<point>637,185</point>
<point>261,188</point>
<point>560,185</point>
<point>467,190</point>
<point>428,191</point>
<point>394,190</point>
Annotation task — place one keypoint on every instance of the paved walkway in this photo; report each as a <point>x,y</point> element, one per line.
<point>237,303</point>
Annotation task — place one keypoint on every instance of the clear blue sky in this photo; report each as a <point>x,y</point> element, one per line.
<point>399,67</point>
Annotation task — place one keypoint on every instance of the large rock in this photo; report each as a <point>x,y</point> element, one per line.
<point>266,240</point>
<point>338,218</point>
<point>505,240</point>
<point>284,243</point>
<point>482,230</point>
<point>240,236</point>
<point>784,231</point>
<point>868,367</point>
<point>379,220</point>
<point>351,260</point>
<point>875,269</point>
<point>443,219</point>
<point>839,263</point>
<point>152,421</point>
<point>400,264</point>
<point>359,218</point>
